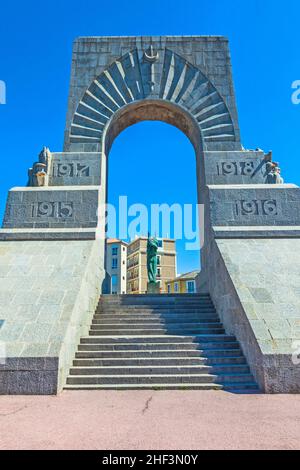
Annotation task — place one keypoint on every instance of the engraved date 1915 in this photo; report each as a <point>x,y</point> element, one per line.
<point>59,210</point>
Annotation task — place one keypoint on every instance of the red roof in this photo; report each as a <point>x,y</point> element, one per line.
<point>115,240</point>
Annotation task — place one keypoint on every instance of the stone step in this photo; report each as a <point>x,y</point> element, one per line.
<point>150,320</point>
<point>245,387</point>
<point>159,299</point>
<point>197,340</point>
<point>160,369</point>
<point>167,312</point>
<point>158,314</point>
<point>153,386</point>
<point>155,325</point>
<point>148,347</point>
<point>156,301</point>
<point>159,378</point>
<point>154,298</point>
<point>156,308</point>
<point>163,307</point>
<point>159,342</point>
<point>157,361</point>
<point>96,351</point>
<point>158,331</point>
<point>171,294</point>
<point>132,299</point>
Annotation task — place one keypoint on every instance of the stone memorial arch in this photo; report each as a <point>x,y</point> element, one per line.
<point>52,241</point>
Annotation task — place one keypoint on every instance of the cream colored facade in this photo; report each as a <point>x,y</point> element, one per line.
<point>137,277</point>
<point>183,284</point>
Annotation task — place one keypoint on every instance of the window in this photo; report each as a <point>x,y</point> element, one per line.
<point>158,272</point>
<point>160,243</point>
<point>158,260</point>
<point>190,287</point>
<point>114,263</point>
<point>114,251</point>
<point>176,287</point>
<point>169,288</point>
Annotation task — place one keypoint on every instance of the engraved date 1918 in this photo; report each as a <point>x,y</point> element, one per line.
<point>229,168</point>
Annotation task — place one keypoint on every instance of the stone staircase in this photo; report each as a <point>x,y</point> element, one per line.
<point>159,342</point>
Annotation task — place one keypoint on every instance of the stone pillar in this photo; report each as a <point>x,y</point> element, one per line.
<point>52,270</point>
<point>251,261</point>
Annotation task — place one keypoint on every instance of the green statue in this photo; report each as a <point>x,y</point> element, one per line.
<point>152,246</point>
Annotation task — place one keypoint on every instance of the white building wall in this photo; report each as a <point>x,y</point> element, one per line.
<point>120,270</point>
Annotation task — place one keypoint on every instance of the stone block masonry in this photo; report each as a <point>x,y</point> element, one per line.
<point>48,295</point>
<point>52,207</point>
<point>245,167</point>
<point>69,168</point>
<point>255,287</point>
<point>254,205</point>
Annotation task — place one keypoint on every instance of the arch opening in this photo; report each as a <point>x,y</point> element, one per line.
<point>152,110</point>
<point>155,110</point>
<point>169,116</point>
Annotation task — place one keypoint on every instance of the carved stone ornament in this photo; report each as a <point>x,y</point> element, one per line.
<point>150,55</point>
<point>38,175</point>
<point>273,175</point>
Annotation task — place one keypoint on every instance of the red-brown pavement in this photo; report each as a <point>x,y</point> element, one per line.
<point>150,420</point>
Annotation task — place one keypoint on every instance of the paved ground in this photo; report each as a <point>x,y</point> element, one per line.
<point>150,420</point>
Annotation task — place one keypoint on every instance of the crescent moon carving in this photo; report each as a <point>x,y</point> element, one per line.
<point>150,56</point>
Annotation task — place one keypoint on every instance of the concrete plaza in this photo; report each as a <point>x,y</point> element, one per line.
<point>150,420</point>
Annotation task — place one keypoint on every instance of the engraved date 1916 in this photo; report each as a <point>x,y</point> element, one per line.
<point>256,207</point>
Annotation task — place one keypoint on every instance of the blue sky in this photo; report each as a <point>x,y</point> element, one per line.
<point>35,56</point>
